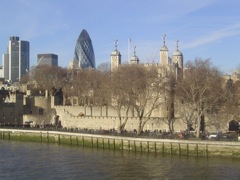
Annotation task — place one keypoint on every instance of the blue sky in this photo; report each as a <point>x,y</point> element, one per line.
<point>205,29</point>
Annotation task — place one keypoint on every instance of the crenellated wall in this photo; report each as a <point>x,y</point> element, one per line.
<point>70,118</point>
<point>96,117</point>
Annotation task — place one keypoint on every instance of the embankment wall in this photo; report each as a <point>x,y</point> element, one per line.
<point>164,146</point>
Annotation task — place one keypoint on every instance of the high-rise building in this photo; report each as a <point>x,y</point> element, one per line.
<point>16,60</point>
<point>47,59</point>
<point>84,53</point>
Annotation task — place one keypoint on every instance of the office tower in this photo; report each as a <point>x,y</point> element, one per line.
<point>84,53</point>
<point>16,60</point>
<point>47,59</point>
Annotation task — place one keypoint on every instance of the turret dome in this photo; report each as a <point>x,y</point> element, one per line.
<point>164,48</point>
<point>177,53</point>
<point>115,53</point>
<point>134,59</point>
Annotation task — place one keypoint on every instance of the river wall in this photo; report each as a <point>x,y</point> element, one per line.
<point>196,148</point>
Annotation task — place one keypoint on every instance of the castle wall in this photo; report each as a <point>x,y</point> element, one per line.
<point>40,119</point>
<point>7,113</point>
<point>98,111</point>
<point>70,118</point>
<point>38,110</point>
<point>98,117</point>
<point>68,115</point>
<point>12,110</point>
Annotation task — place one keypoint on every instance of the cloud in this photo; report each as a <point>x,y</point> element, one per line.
<point>173,9</point>
<point>214,36</point>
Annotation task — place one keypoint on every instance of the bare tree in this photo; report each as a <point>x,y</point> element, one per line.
<point>232,103</point>
<point>169,89</point>
<point>202,88</point>
<point>82,86</point>
<point>100,85</point>
<point>120,84</point>
<point>49,78</point>
<point>104,67</point>
<point>140,88</point>
<point>187,114</point>
<point>148,93</point>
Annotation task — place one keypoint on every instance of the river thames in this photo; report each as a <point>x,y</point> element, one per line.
<point>26,160</point>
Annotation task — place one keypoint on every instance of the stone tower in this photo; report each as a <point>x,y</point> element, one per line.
<point>164,53</point>
<point>177,58</point>
<point>115,58</point>
<point>134,59</point>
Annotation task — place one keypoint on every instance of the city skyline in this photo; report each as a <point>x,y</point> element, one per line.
<point>205,29</point>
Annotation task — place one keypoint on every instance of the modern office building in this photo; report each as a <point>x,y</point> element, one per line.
<point>84,53</point>
<point>47,59</point>
<point>16,60</point>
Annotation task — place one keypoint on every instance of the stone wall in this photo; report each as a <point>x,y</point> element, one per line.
<point>97,117</point>
<point>70,118</point>
<point>158,146</point>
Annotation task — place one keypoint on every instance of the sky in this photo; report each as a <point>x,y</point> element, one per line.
<point>205,29</point>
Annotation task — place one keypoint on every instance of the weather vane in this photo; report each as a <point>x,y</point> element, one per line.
<point>164,38</point>
<point>116,43</point>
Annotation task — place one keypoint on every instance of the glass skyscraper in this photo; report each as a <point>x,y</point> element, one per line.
<point>16,60</point>
<point>84,53</point>
<point>47,59</point>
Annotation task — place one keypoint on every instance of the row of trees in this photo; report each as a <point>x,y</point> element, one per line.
<point>135,88</point>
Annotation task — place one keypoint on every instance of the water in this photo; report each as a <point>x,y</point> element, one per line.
<point>25,160</point>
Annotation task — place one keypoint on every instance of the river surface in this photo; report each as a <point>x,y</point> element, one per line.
<point>26,160</point>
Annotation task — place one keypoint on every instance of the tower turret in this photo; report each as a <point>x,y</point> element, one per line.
<point>164,52</point>
<point>134,59</point>
<point>115,57</point>
<point>177,57</point>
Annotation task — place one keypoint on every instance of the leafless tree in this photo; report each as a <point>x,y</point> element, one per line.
<point>119,88</point>
<point>139,88</point>
<point>232,103</point>
<point>100,85</point>
<point>202,88</point>
<point>89,86</point>
<point>104,67</point>
<point>169,91</point>
<point>81,86</point>
<point>48,78</point>
<point>187,114</point>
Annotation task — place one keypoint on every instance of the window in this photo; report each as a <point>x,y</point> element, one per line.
<point>40,111</point>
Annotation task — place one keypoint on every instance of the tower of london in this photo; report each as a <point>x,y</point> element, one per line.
<point>166,64</point>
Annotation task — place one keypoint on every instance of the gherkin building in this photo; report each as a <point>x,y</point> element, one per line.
<point>84,53</point>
